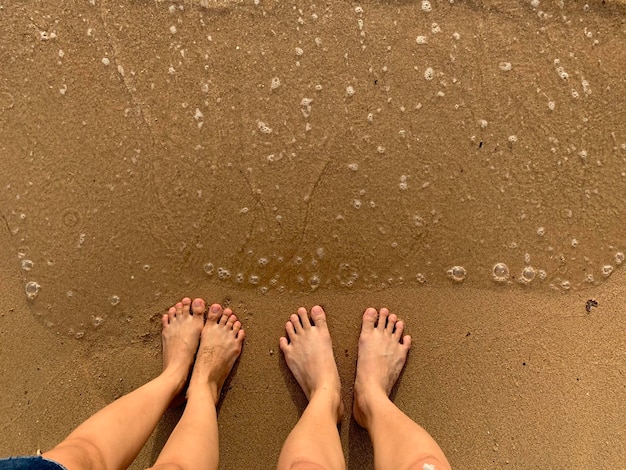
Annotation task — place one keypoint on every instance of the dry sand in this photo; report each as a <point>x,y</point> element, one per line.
<point>148,153</point>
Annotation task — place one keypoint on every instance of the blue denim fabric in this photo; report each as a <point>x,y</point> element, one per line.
<point>29,463</point>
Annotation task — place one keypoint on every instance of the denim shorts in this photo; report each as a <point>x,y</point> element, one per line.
<point>30,463</point>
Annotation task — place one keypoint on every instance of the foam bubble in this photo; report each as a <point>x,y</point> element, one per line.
<point>275,83</point>
<point>500,272</point>
<point>457,273</point>
<point>223,273</point>
<point>619,257</point>
<point>350,91</point>
<point>528,274</point>
<point>114,300</point>
<point>607,269</point>
<point>429,73</point>
<point>209,268</point>
<point>426,6</point>
<point>27,264</point>
<point>32,289</point>
<point>314,282</point>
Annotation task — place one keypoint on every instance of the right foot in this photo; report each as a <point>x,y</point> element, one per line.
<point>381,357</point>
<point>309,355</point>
<point>220,346</point>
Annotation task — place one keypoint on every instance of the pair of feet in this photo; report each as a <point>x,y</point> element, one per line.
<point>215,339</point>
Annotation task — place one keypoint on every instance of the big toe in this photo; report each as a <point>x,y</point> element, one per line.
<point>318,316</point>
<point>198,307</point>
<point>215,313</point>
<point>369,319</point>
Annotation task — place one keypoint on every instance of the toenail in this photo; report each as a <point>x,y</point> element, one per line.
<point>215,308</point>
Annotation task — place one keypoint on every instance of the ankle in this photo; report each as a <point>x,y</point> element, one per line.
<point>369,399</point>
<point>330,398</point>
<point>206,390</point>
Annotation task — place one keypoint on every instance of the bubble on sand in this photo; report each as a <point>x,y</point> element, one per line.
<point>619,257</point>
<point>32,289</point>
<point>505,66</point>
<point>27,264</point>
<point>421,40</point>
<point>350,91</point>
<point>106,61</point>
<point>253,279</point>
<point>528,274</point>
<point>6,100</point>
<point>275,83</point>
<point>429,73</point>
<point>209,268</point>
<point>607,269</point>
<point>264,128</point>
<point>114,300</point>
<point>314,282</point>
<point>223,273</point>
<point>426,6</point>
<point>457,273</point>
<point>500,272</point>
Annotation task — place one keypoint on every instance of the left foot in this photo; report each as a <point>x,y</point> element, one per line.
<point>182,325</point>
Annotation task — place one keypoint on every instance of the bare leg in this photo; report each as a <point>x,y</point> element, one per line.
<point>112,438</point>
<point>194,442</point>
<point>314,442</point>
<point>399,443</point>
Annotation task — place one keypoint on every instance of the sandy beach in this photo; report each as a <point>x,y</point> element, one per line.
<point>461,163</point>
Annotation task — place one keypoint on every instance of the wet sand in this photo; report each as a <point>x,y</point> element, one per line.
<point>149,153</point>
<point>508,379</point>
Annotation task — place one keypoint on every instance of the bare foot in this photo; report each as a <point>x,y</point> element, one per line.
<point>382,354</point>
<point>220,346</point>
<point>309,355</point>
<point>180,337</point>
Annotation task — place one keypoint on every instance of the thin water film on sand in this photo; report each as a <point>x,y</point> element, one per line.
<point>151,148</point>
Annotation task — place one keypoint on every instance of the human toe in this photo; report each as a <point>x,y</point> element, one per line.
<point>383,314</point>
<point>391,323</point>
<point>318,315</point>
<point>225,316</point>
<point>198,307</point>
<point>186,306</point>
<point>397,333</point>
<point>215,312</point>
<point>304,318</point>
<point>295,321</point>
<point>369,319</point>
